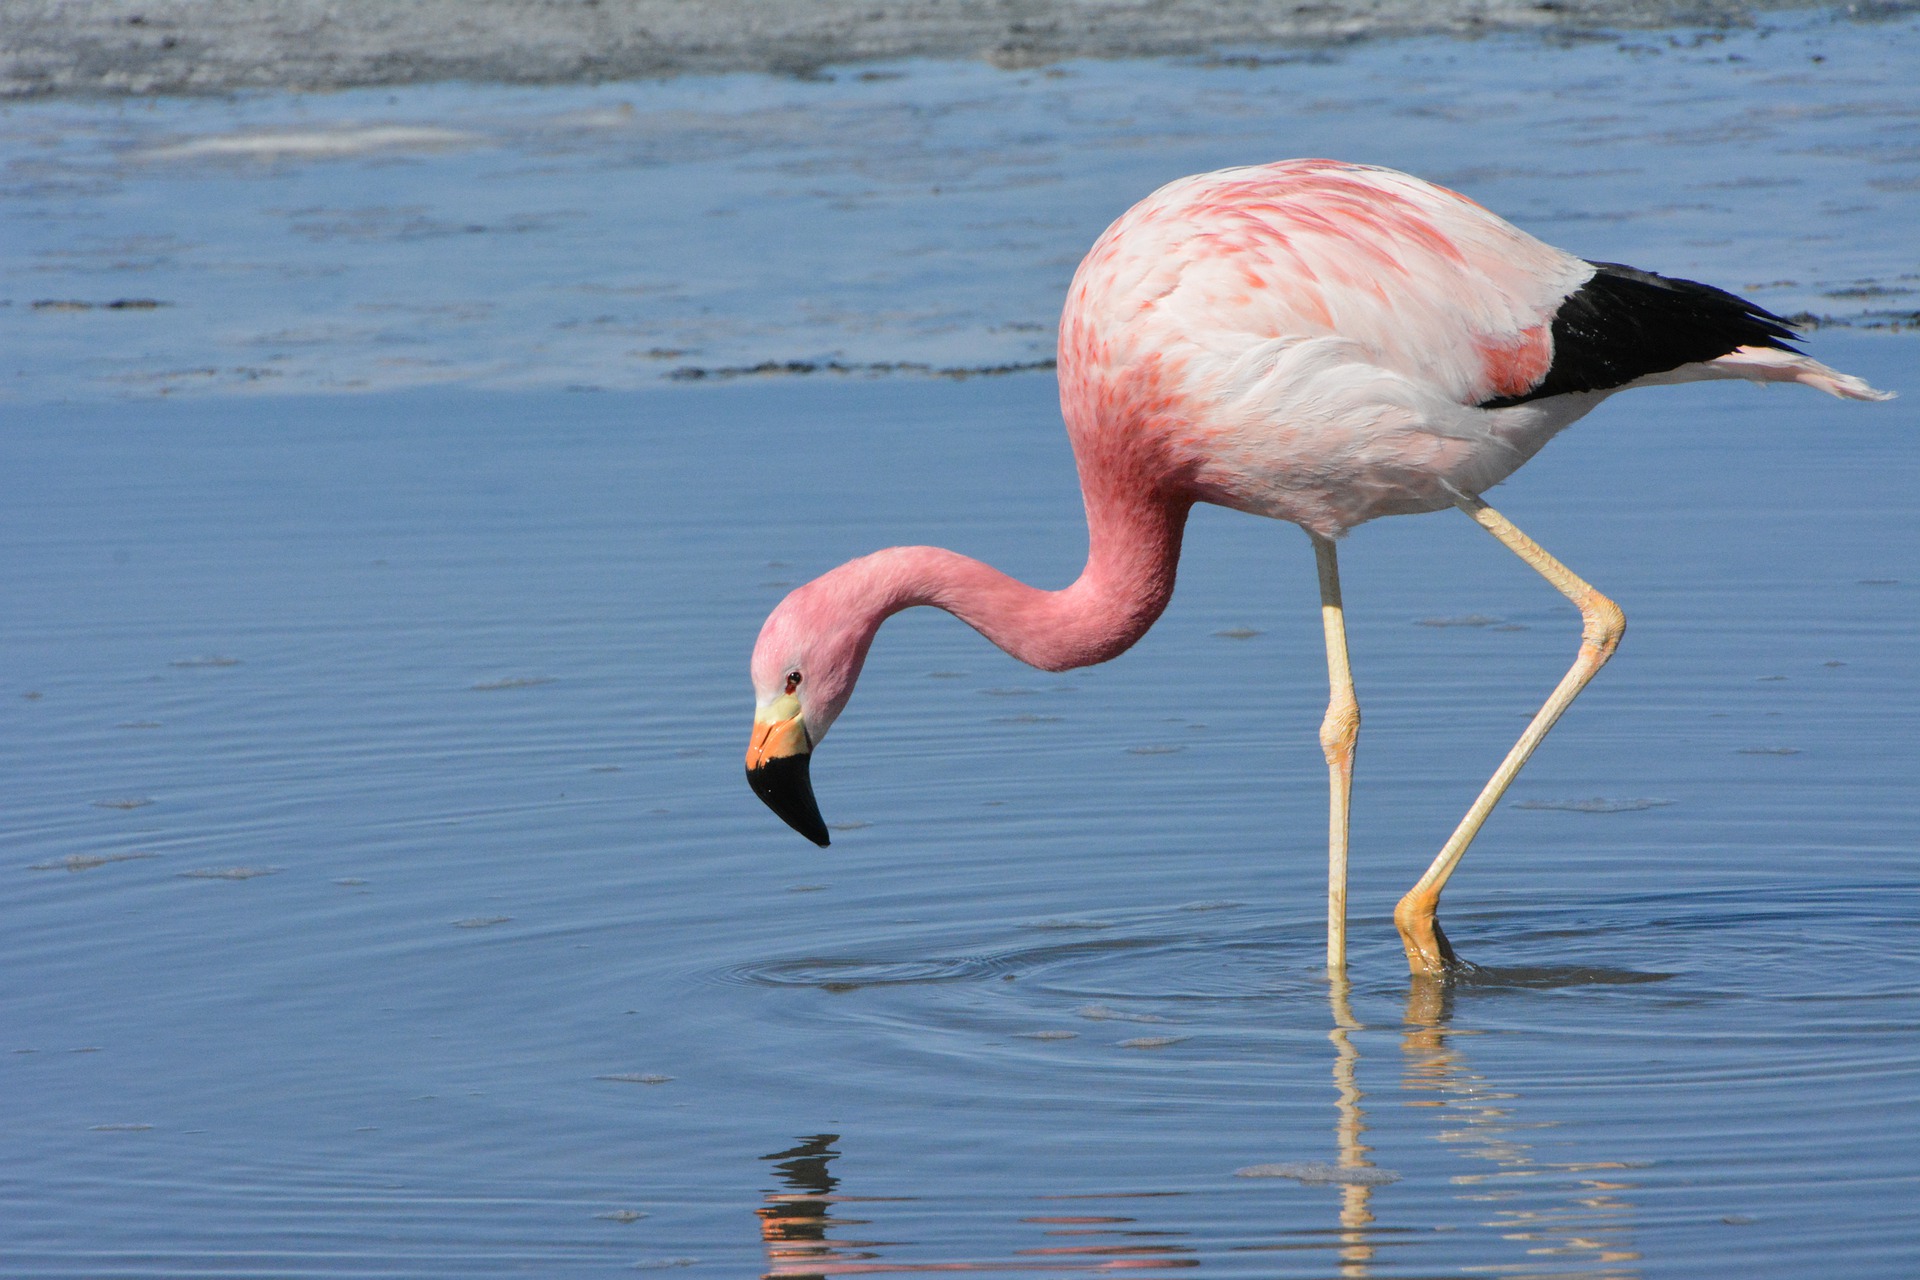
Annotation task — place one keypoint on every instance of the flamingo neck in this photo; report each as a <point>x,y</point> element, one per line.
<point>1133,552</point>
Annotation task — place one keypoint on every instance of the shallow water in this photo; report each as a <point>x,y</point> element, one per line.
<point>924,214</point>
<point>383,897</point>
<point>459,675</point>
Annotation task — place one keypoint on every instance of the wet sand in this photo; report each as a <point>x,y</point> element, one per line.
<point>211,46</point>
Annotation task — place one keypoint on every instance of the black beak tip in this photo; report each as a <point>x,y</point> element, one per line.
<point>785,785</point>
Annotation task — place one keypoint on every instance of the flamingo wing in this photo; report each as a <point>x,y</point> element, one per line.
<point>1419,280</point>
<point>1624,324</point>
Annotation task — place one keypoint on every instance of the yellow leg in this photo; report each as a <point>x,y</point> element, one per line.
<point>1427,950</point>
<point>1338,734</point>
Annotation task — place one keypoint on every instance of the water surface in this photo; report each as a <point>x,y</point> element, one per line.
<point>925,214</point>
<point>383,896</point>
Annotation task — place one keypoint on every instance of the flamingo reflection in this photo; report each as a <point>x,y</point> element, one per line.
<point>1356,1213</point>
<point>1569,1218</point>
<point>1590,1227</point>
<point>799,1226</point>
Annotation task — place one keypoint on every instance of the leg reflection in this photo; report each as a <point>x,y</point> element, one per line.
<point>1356,1213</point>
<point>1567,1211</point>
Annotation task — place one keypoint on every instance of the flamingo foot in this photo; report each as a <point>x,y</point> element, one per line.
<point>1429,954</point>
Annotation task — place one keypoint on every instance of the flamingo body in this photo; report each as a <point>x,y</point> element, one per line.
<point>1317,342</point>
<point>1328,343</point>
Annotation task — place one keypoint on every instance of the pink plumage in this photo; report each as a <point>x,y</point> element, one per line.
<point>1318,342</point>
<point>1312,341</point>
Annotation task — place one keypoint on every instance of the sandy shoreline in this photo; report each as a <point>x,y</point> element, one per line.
<point>116,47</point>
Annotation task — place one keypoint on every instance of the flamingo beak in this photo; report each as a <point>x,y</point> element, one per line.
<point>779,764</point>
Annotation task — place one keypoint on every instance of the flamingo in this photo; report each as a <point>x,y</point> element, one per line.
<point>1318,342</point>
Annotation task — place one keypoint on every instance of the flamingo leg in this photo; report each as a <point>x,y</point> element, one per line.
<point>1428,952</point>
<point>1338,734</point>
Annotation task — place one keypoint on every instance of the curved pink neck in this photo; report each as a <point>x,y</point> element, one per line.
<point>1133,552</point>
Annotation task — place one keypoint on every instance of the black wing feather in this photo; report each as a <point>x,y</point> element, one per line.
<point>1625,323</point>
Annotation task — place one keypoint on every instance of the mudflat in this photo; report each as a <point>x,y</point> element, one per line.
<point>210,46</point>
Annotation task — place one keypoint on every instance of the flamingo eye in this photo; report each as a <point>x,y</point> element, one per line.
<point>793,681</point>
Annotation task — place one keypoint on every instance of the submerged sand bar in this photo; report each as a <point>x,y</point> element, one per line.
<point>209,46</point>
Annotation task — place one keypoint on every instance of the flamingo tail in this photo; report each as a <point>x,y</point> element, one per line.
<point>1769,364</point>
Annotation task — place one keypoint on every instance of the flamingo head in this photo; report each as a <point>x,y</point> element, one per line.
<point>804,667</point>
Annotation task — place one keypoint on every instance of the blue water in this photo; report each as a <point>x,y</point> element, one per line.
<point>929,213</point>
<point>383,897</point>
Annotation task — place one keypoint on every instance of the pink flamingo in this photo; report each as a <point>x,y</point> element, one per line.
<point>1317,342</point>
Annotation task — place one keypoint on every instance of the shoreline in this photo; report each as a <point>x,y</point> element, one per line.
<point>123,48</point>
